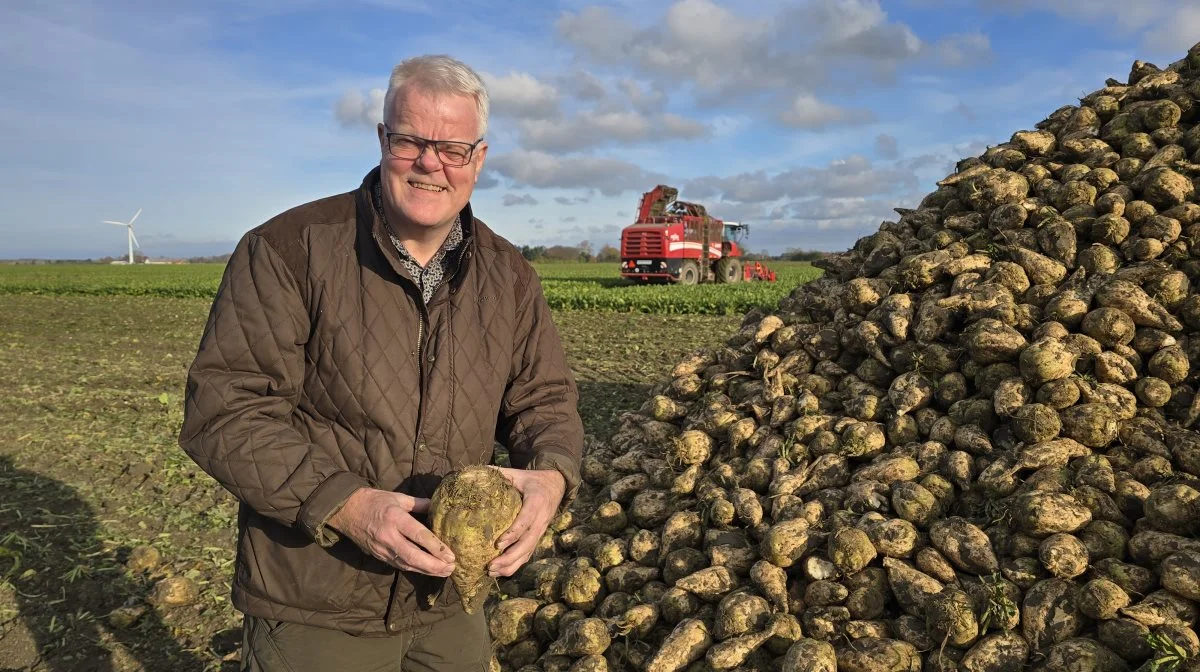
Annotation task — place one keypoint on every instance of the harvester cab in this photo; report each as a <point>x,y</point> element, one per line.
<point>736,234</point>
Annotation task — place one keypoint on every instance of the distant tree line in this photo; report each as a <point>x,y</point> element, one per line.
<point>584,252</point>
<point>214,259</point>
<point>793,254</point>
<point>559,253</point>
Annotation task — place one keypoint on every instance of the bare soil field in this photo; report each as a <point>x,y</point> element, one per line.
<point>100,512</point>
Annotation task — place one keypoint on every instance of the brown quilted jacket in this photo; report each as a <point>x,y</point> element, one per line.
<point>321,371</point>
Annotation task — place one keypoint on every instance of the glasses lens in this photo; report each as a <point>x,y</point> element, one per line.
<point>403,147</point>
<point>454,153</point>
<point>448,152</point>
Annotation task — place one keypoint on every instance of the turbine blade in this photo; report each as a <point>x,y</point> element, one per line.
<point>109,221</point>
<point>135,216</point>
<point>134,239</point>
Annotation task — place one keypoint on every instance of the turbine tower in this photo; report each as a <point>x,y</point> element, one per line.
<point>128,225</point>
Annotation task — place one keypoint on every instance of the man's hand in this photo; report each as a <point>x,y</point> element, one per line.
<point>541,491</point>
<point>381,523</point>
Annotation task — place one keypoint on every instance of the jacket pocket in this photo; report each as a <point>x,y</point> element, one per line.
<point>286,567</point>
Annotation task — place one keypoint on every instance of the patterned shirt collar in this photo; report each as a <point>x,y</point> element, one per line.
<point>428,277</point>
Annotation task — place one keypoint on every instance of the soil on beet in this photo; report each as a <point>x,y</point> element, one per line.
<point>90,474</point>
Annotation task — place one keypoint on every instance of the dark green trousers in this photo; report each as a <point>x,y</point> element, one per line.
<point>460,642</point>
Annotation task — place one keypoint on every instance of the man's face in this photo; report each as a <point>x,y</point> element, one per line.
<point>424,191</point>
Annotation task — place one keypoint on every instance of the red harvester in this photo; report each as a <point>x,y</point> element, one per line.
<point>677,241</point>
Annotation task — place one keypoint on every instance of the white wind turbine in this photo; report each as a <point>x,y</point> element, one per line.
<point>128,225</point>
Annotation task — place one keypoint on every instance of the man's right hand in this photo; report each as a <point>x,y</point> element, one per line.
<point>381,523</point>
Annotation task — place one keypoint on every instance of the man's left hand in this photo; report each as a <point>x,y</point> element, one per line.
<point>541,491</point>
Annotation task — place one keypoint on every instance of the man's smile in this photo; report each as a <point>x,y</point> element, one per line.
<point>426,186</point>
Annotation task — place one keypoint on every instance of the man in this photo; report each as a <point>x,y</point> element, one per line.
<point>360,348</point>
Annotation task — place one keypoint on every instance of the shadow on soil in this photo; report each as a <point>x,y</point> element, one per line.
<point>66,582</point>
<point>60,582</point>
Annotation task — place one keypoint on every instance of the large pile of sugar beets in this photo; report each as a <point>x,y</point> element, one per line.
<point>969,446</point>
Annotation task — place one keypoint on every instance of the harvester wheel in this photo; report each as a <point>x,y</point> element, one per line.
<point>729,270</point>
<point>689,273</point>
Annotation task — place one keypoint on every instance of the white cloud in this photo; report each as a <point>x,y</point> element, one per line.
<point>516,94</point>
<point>782,233</point>
<point>1039,90</point>
<point>738,212</point>
<point>708,26</point>
<point>487,179</point>
<point>887,43</point>
<point>1170,26</point>
<point>520,94</point>
<point>727,59</point>
<point>815,208</point>
<point>511,199</point>
<point>585,130</point>
<point>852,177</point>
<point>591,113</point>
<point>676,126</point>
<point>354,109</point>
<point>839,211</point>
<point>963,50</point>
<point>583,85</point>
<point>696,41</point>
<point>1179,32</point>
<point>597,31</point>
<point>646,100</point>
<point>591,129</point>
<point>808,112</point>
<point>539,170</point>
<point>841,20</point>
<point>886,146</point>
<point>571,200</point>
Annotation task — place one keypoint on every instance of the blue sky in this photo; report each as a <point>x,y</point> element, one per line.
<point>810,120</point>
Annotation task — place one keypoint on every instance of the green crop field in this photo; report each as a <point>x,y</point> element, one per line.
<point>568,286</point>
<point>167,280</point>
<point>600,287</point>
<point>92,483</point>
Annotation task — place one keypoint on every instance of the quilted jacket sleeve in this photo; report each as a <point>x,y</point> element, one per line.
<point>539,418</point>
<point>242,390</point>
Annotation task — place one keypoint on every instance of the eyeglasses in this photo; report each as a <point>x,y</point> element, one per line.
<point>449,152</point>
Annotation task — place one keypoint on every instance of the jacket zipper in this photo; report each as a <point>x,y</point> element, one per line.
<point>421,342</point>
<point>421,383</point>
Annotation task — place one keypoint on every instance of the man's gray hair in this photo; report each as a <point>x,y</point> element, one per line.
<point>438,75</point>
